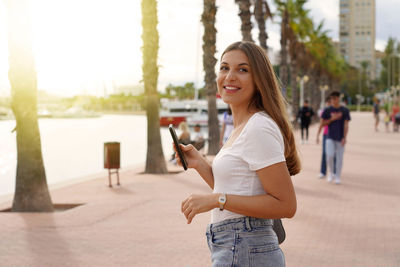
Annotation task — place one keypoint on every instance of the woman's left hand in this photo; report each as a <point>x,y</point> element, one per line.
<point>196,204</point>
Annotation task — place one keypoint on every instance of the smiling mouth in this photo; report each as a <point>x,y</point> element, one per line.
<point>231,88</point>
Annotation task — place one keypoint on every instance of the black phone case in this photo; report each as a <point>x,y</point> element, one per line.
<point>180,153</point>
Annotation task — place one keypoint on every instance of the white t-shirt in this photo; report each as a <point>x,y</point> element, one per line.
<point>228,120</point>
<point>259,145</point>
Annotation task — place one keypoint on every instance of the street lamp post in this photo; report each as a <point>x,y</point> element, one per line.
<point>302,80</point>
<point>323,89</point>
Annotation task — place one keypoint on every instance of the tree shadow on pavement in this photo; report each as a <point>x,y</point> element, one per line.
<point>46,247</point>
<point>120,190</point>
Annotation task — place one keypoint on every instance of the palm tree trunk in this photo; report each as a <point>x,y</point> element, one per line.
<point>294,69</point>
<point>31,191</point>
<point>283,67</point>
<point>314,92</point>
<point>245,17</point>
<point>260,16</point>
<point>209,61</point>
<point>155,162</point>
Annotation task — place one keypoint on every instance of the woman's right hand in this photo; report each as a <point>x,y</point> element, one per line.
<point>192,156</point>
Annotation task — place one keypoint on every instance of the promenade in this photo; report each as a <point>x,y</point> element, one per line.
<point>139,223</point>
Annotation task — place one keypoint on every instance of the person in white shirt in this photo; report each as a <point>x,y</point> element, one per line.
<point>250,176</point>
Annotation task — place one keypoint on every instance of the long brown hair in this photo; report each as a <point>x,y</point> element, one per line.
<point>268,98</point>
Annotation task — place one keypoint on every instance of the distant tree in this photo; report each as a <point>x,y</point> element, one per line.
<point>261,14</point>
<point>349,82</point>
<point>31,191</point>
<point>209,61</point>
<point>245,17</point>
<point>282,10</point>
<point>155,162</point>
<point>390,64</point>
<point>186,91</point>
<point>365,81</point>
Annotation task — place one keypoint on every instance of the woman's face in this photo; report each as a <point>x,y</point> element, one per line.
<point>234,79</point>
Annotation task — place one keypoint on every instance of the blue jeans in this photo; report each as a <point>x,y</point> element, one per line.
<point>323,160</point>
<point>334,149</point>
<point>244,242</point>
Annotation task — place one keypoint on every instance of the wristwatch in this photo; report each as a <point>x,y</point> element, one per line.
<point>222,201</point>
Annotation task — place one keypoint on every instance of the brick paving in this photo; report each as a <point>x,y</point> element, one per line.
<point>356,223</point>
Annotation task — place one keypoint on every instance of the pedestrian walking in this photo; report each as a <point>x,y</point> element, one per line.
<point>375,111</point>
<point>250,176</point>
<point>305,114</point>
<point>227,126</point>
<point>396,116</point>
<point>337,118</point>
<point>387,120</point>
<point>322,172</point>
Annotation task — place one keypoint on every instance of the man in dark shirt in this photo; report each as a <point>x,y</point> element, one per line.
<point>305,114</point>
<point>337,118</point>
<point>376,111</point>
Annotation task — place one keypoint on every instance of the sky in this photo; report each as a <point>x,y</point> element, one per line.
<point>86,46</point>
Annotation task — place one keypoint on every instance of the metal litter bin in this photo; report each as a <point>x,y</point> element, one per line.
<point>112,159</point>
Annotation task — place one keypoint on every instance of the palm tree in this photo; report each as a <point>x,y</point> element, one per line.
<point>245,17</point>
<point>31,191</point>
<point>293,16</point>
<point>365,77</point>
<point>287,10</point>
<point>155,162</point>
<point>390,63</point>
<point>209,61</point>
<point>261,14</point>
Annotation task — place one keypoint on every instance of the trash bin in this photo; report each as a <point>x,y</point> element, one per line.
<point>112,159</point>
<point>112,155</point>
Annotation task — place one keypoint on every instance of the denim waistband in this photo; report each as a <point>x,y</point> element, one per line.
<point>241,223</point>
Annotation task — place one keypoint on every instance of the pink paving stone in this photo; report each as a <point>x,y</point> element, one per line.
<point>356,223</point>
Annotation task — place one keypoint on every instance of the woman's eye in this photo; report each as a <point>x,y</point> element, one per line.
<point>223,68</point>
<point>243,70</point>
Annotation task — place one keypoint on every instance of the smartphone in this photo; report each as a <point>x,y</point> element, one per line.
<point>180,153</point>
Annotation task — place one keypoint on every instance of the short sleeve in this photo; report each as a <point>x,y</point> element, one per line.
<point>347,116</point>
<point>263,144</point>
<point>326,115</point>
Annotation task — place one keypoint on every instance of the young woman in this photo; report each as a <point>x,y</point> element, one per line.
<point>250,176</point>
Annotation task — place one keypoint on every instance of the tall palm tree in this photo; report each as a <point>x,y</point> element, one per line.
<point>292,14</point>
<point>261,14</point>
<point>31,191</point>
<point>245,17</point>
<point>390,63</point>
<point>155,162</point>
<point>209,61</point>
<point>283,10</point>
<point>365,77</point>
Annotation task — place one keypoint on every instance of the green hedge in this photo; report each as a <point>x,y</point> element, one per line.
<point>362,108</point>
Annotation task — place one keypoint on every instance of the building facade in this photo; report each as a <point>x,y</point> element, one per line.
<point>357,34</point>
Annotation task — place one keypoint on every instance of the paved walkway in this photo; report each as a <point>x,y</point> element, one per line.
<point>356,223</point>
